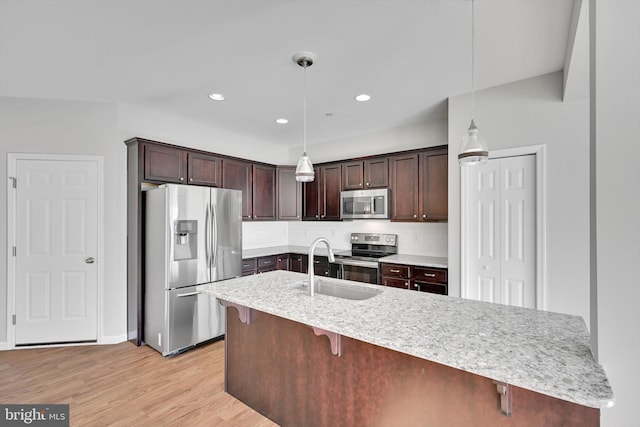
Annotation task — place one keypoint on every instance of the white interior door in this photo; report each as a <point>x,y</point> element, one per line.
<point>56,233</point>
<point>500,221</point>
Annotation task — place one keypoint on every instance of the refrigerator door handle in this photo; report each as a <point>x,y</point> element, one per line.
<point>207,244</point>
<point>188,294</point>
<point>214,226</point>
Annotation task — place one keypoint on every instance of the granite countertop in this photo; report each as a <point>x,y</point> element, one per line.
<point>418,260</point>
<point>545,352</point>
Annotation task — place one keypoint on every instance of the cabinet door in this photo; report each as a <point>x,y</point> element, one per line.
<point>289,195</point>
<point>264,192</point>
<point>330,187</point>
<point>283,262</point>
<point>204,169</point>
<point>164,164</point>
<point>403,181</point>
<point>376,173</point>
<point>298,263</point>
<point>396,282</point>
<point>352,175</point>
<point>236,175</point>
<point>434,191</point>
<point>320,266</point>
<point>311,206</point>
<point>432,288</point>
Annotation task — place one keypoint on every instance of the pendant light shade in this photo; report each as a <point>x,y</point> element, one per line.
<point>473,149</point>
<point>304,169</point>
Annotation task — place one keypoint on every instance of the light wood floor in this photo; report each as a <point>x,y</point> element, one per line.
<point>125,385</point>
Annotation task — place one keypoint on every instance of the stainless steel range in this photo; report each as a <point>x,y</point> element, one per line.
<point>361,262</point>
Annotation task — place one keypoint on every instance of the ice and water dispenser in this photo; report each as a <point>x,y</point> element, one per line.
<point>186,240</point>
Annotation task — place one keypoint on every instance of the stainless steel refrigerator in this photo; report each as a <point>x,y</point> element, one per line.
<point>193,235</point>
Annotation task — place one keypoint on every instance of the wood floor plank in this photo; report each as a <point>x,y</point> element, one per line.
<point>125,385</point>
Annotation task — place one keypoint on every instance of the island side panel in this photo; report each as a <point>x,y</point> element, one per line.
<point>284,371</point>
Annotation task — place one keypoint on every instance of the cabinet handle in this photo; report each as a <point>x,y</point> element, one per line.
<point>430,274</point>
<point>417,286</point>
<point>424,215</point>
<point>368,184</point>
<point>190,179</point>
<point>182,178</point>
<point>394,270</point>
<point>415,216</point>
<point>407,285</point>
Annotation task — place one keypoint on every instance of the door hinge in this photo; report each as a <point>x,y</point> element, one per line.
<point>14,319</point>
<point>14,181</point>
<point>14,251</point>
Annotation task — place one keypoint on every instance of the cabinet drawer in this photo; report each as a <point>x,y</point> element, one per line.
<point>432,275</point>
<point>395,270</point>
<point>267,263</point>
<point>249,266</point>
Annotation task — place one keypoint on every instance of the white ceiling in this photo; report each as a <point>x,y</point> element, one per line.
<point>168,55</point>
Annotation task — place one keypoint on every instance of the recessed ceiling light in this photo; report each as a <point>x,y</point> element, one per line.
<point>282,121</point>
<point>362,97</point>
<point>216,96</point>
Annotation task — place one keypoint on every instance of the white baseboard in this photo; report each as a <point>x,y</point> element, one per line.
<point>113,339</point>
<point>4,345</point>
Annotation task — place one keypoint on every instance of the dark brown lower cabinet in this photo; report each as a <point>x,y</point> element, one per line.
<point>283,370</point>
<point>289,262</point>
<point>416,278</point>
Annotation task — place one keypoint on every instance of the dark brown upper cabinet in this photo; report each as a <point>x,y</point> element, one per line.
<point>403,182</point>
<point>169,164</point>
<point>289,195</point>
<point>237,175</point>
<point>258,186</point>
<point>204,169</point>
<point>434,186</point>
<point>419,186</point>
<point>264,193</point>
<point>363,174</point>
<point>165,164</point>
<point>322,195</point>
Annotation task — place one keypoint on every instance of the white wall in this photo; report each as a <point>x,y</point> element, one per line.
<point>421,135</point>
<point>531,112</point>
<point>616,138</point>
<point>428,239</point>
<point>67,127</point>
<point>134,121</point>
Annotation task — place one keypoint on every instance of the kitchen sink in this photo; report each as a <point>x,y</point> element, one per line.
<point>342,291</point>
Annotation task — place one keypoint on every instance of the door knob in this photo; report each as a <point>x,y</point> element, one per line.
<point>90,260</point>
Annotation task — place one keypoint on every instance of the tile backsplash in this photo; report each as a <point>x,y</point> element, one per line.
<point>429,239</point>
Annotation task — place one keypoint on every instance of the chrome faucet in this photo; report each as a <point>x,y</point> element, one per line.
<point>312,249</point>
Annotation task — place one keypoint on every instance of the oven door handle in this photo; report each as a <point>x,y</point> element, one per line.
<point>357,263</point>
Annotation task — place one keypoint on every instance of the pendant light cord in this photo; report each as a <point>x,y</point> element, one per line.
<point>473,59</point>
<point>304,109</point>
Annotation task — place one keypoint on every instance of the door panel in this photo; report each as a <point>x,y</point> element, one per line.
<point>56,233</point>
<point>501,228</point>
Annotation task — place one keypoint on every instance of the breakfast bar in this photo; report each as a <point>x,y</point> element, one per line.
<point>397,357</point>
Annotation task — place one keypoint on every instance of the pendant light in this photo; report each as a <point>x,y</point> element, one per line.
<point>473,150</point>
<point>304,170</point>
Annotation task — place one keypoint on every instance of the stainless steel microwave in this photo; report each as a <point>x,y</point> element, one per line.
<point>365,204</point>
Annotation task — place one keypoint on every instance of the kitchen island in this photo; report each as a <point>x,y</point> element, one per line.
<point>403,358</point>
